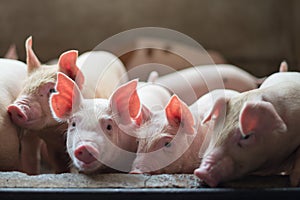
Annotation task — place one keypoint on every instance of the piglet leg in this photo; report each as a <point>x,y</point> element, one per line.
<point>57,154</point>
<point>30,157</point>
<point>57,158</point>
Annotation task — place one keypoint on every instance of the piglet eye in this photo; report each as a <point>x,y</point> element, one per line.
<point>73,124</point>
<point>52,90</point>
<point>247,136</point>
<point>109,127</point>
<point>106,125</point>
<point>168,144</point>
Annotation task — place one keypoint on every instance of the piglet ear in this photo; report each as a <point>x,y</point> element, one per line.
<point>143,116</point>
<point>179,115</point>
<point>32,61</point>
<point>67,65</point>
<point>260,116</point>
<point>283,66</point>
<point>125,102</point>
<point>217,111</point>
<point>12,52</point>
<point>66,100</point>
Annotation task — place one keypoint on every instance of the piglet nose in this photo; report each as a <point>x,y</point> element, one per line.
<point>16,114</point>
<point>86,154</point>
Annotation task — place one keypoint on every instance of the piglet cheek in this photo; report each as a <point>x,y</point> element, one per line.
<point>36,111</point>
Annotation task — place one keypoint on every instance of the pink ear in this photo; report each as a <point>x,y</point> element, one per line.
<point>12,52</point>
<point>67,65</point>
<point>68,97</point>
<point>32,61</point>
<point>261,117</point>
<point>218,109</point>
<point>143,116</point>
<point>178,114</point>
<point>283,66</point>
<point>125,102</point>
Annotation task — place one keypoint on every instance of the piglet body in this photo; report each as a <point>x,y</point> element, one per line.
<point>260,133</point>
<point>104,72</point>
<point>12,76</point>
<point>191,83</point>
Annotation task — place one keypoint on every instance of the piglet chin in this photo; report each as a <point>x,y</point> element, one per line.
<point>87,168</point>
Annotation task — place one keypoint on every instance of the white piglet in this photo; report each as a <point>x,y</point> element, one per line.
<point>12,75</point>
<point>100,131</point>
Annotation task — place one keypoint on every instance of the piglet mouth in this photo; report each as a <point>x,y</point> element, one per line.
<point>87,167</point>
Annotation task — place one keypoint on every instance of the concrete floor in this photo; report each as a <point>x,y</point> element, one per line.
<point>21,180</point>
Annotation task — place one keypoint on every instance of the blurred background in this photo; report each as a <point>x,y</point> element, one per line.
<point>252,34</point>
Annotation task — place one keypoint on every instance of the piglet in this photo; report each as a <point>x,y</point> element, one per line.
<point>256,132</point>
<point>31,111</point>
<point>191,83</point>
<point>100,131</point>
<point>174,137</point>
<point>12,76</point>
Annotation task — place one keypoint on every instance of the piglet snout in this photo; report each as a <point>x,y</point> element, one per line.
<point>86,153</point>
<point>16,114</point>
<point>206,177</point>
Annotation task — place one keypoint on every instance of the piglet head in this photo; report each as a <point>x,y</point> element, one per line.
<point>165,139</point>
<point>31,109</point>
<point>95,140</point>
<point>244,144</point>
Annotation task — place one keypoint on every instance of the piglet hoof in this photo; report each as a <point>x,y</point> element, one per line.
<point>136,171</point>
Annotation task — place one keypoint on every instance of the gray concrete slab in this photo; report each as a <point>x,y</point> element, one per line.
<point>68,180</point>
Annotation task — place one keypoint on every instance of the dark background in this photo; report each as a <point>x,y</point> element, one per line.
<point>253,34</point>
